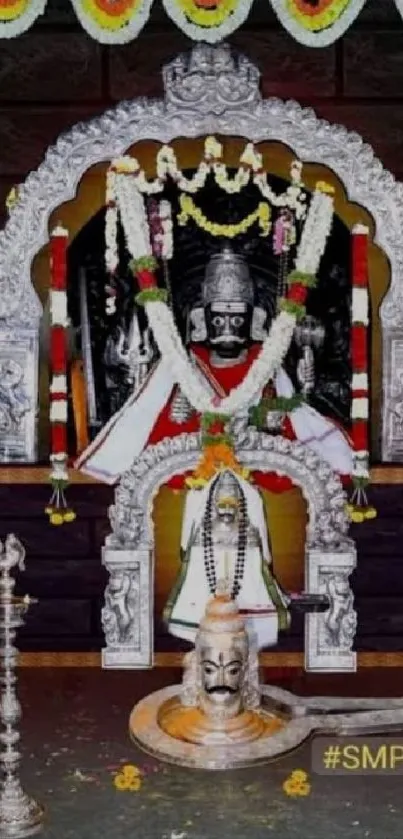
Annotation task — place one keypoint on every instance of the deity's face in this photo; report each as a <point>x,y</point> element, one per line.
<point>227,511</point>
<point>222,674</point>
<point>228,328</point>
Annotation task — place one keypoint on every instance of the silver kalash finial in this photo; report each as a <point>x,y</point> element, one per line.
<point>20,816</point>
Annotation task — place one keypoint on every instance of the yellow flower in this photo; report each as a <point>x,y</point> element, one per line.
<point>321,19</point>
<point>130,771</point>
<point>122,16</point>
<point>134,785</point>
<point>56,519</point>
<point>207,18</point>
<point>370,513</point>
<point>297,784</point>
<point>49,510</point>
<point>121,782</point>
<point>69,516</point>
<point>299,775</point>
<point>322,186</point>
<point>129,778</point>
<point>212,148</point>
<point>12,196</point>
<point>357,517</point>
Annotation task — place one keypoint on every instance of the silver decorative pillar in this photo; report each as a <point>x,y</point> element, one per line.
<point>20,816</point>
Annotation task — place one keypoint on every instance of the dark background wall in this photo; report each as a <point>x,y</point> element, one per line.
<point>55,76</point>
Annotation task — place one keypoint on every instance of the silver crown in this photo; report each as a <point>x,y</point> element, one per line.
<point>227,487</point>
<point>227,280</point>
<point>210,79</point>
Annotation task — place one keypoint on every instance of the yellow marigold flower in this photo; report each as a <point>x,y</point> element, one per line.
<point>134,785</point>
<point>297,784</point>
<point>121,782</point>
<point>69,516</point>
<point>370,513</point>
<point>323,186</point>
<point>357,517</point>
<point>56,519</point>
<point>299,775</point>
<point>130,771</point>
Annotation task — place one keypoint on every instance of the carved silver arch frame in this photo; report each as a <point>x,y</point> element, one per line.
<point>204,94</point>
<point>330,555</point>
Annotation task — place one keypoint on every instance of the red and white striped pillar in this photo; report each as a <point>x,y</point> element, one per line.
<point>57,509</point>
<point>359,361</point>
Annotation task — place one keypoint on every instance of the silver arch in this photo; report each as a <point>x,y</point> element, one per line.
<point>128,554</point>
<point>209,91</point>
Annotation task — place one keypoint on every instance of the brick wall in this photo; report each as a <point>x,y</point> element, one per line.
<point>64,571</point>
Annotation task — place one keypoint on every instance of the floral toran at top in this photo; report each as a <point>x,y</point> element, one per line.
<point>315,23</point>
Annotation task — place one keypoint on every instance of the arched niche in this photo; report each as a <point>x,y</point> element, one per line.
<point>78,214</point>
<point>206,92</point>
<point>129,552</point>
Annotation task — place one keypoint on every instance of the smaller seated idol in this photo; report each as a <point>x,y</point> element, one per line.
<point>226,539</point>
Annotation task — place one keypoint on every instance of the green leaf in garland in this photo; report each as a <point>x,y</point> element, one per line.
<point>300,278</point>
<point>292,308</point>
<point>151,295</point>
<point>144,263</point>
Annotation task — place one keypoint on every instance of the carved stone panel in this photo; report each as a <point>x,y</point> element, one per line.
<point>127,615</point>
<point>329,636</point>
<point>18,395</point>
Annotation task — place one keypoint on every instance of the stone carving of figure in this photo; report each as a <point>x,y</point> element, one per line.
<point>225,537</point>
<point>225,335</point>
<point>341,619</point>
<point>14,401</point>
<point>13,555</point>
<point>120,613</point>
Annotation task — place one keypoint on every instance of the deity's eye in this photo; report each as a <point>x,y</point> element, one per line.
<point>237,320</point>
<point>218,320</point>
<point>234,669</point>
<point>209,669</point>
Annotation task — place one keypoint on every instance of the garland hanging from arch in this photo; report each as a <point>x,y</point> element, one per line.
<point>112,21</point>
<point>317,24</point>
<point>208,20</point>
<point>16,16</point>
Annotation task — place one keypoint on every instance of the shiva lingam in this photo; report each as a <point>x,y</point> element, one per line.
<point>20,815</point>
<point>220,718</point>
<point>217,715</point>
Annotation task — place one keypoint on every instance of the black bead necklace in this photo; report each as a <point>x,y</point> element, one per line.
<point>208,546</point>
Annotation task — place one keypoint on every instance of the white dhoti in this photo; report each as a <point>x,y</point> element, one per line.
<point>263,616</point>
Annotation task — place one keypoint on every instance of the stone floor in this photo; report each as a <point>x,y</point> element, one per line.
<point>75,741</point>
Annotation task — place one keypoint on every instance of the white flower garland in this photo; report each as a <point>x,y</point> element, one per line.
<point>24,21</point>
<point>275,346</point>
<point>251,167</point>
<point>210,34</point>
<point>108,35</point>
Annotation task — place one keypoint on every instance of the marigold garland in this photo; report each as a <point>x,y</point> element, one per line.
<point>208,20</point>
<point>216,458</point>
<point>16,16</point>
<point>205,16</point>
<point>317,24</point>
<point>116,22</point>
<point>229,231</point>
<point>320,16</point>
